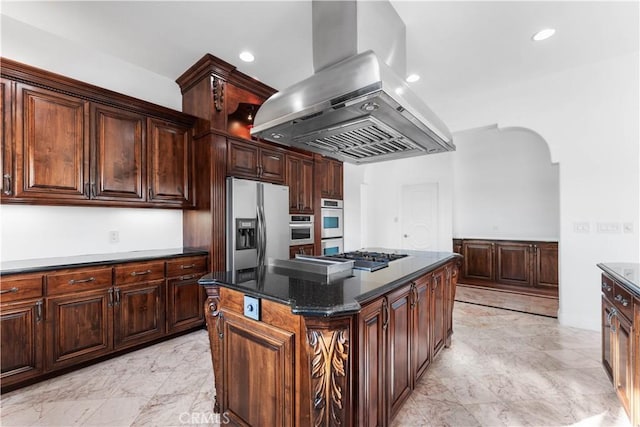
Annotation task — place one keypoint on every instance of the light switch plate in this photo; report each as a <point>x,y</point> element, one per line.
<point>252,307</point>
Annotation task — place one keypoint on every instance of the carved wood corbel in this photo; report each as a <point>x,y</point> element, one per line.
<point>329,366</point>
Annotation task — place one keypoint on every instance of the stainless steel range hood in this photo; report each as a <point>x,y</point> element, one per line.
<point>357,109</point>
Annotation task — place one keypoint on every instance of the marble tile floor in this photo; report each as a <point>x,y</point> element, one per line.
<point>503,369</point>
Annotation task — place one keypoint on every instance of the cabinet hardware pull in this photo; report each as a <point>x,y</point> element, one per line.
<point>185,267</point>
<point>150,193</point>
<point>9,291</point>
<point>412,295</point>
<point>140,273</point>
<point>622,300</point>
<point>87,191</point>
<point>612,313</point>
<point>110,292</point>
<point>39,311</point>
<point>7,184</point>
<point>117,292</point>
<point>219,327</point>
<point>93,190</point>
<point>606,287</point>
<point>274,157</point>
<point>90,279</point>
<point>189,277</point>
<point>385,314</point>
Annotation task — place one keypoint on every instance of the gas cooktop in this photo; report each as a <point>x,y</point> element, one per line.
<point>369,261</point>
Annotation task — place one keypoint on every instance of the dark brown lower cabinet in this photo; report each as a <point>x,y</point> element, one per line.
<point>269,377</point>
<point>61,318</point>
<point>79,327</point>
<point>620,358</point>
<point>399,334</point>
<point>301,250</point>
<point>527,266</point>
<point>184,301</point>
<point>422,320</point>
<point>439,290</point>
<point>139,314</point>
<point>21,338</point>
<point>372,324</point>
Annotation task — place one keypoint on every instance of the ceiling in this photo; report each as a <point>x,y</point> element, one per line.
<point>456,46</point>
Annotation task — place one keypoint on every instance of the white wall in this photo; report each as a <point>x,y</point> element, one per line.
<point>32,46</point>
<point>50,231</point>
<point>380,205</point>
<point>40,231</point>
<point>589,116</point>
<point>505,186</point>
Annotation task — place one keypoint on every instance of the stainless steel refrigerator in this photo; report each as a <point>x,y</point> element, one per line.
<point>257,223</point>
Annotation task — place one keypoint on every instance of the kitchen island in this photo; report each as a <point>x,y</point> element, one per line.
<point>296,348</point>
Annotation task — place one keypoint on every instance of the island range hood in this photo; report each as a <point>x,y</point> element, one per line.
<point>355,107</point>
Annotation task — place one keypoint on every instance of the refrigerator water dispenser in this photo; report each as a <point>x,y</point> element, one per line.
<point>245,233</point>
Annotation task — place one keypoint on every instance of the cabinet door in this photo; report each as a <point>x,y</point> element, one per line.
<point>329,172</point>
<point>21,332</point>
<point>478,260</point>
<point>607,335</point>
<point>185,302</point>
<point>79,327</point>
<point>371,369</point>
<point>513,263</point>
<point>306,187</point>
<point>169,163</point>
<point>52,145</point>
<point>257,366</point>
<point>399,350</point>
<point>623,364</point>
<point>293,181</point>
<point>421,343</point>
<point>272,166</point>
<point>6,139</point>
<point>546,265</point>
<point>139,311</point>
<point>335,173</point>
<point>438,311</point>
<point>119,147</point>
<point>242,159</point>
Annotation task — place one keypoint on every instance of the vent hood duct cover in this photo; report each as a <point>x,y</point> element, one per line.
<point>357,111</point>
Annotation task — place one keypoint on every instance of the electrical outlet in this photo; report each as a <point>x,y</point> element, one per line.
<point>581,227</point>
<point>114,236</point>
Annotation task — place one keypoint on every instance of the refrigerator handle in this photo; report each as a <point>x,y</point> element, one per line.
<point>259,243</point>
<point>263,230</point>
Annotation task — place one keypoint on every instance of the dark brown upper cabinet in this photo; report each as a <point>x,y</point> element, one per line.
<point>51,145</point>
<point>65,142</point>
<point>255,160</point>
<point>117,172</point>
<point>169,163</point>
<point>329,172</point>
<point>300,182</point>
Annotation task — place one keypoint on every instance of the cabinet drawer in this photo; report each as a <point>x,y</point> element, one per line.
<point>85,279</point>
<point>186,266</point>
<point>623,301</point>
<point>14,288</point>
<point>138,272</point>
<point>607,287</point>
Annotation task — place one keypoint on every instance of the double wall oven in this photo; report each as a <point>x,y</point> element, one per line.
<point>331,212</point>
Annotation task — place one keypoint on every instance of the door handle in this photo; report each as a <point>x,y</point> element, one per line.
<point>7,184</point>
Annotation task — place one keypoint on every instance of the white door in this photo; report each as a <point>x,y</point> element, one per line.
<point>419,216</point>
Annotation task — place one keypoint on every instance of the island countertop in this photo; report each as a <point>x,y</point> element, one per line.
<point>308,295</point>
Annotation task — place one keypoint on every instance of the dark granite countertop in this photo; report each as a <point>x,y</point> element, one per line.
<point>309,295</point>
<point>627,273</point>
<point>46,264</point>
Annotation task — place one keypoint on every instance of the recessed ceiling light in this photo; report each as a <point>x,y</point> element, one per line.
<point>543,34</point>
<point>411,78</point>
<point>247,56</point>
